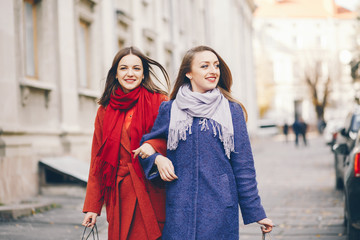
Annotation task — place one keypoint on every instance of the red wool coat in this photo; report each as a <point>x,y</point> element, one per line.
<point>138,211</point>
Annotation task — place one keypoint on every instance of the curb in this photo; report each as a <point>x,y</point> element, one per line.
<point>11,212</point>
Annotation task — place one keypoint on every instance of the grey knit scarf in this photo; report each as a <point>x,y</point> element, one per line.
<point>211,106</point>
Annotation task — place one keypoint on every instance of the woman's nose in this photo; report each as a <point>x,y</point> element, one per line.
<point>130,72</point>
<point>213,69</point>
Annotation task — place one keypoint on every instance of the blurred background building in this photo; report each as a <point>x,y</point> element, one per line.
<point>55,55</point>
<point>303,49</point>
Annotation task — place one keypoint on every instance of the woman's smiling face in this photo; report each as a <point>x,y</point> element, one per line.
<point>130,72</point>
<point>205,72</point>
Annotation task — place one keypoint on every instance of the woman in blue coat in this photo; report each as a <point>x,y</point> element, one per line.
<point>209,168</point>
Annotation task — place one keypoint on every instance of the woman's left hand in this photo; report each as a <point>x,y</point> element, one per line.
<point>267,225</point>
<point>144,151</point>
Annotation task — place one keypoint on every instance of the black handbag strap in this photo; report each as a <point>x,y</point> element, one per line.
<point>266,234</point>
<point>92,231</point>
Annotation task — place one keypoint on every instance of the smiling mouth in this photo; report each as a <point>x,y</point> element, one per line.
<point>130,80</point>
<point>211,79</point>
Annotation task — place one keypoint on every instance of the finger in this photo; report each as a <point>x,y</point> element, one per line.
<point>266,229</point>
<point>93,221</point>
<point>171,175</point>
<point>85,222</point>
<point>136,152</point>
<point>171,171</point>
<point>163,177</point>
<point>166,176</point>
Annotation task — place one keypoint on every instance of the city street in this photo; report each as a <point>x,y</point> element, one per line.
<point>296,186</point>
<point>297,189</point>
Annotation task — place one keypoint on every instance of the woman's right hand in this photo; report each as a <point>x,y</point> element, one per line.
<point>89,219</point>
<point>165,168</point>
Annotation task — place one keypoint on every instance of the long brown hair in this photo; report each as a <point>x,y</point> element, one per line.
<point>112,83</point>
<point>225,80</point>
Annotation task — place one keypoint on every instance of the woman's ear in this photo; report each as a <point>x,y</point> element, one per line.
<point>188,75</point>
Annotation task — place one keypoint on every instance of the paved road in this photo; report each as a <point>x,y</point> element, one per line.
<point>297,189</point>
<point>296,186</point>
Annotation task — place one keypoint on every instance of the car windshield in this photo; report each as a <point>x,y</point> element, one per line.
<point>356,123</point>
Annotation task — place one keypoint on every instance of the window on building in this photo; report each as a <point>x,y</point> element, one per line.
<point>150,47</point>
<point>84,54</point>
<point>169,61</point>
<point>121,43</point>
<point>30,36</point>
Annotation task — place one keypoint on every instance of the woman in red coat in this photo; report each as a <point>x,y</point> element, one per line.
<point>135,207</point>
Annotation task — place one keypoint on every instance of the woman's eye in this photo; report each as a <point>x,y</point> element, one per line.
<point>217,65</point>
<point>122,68</point>
<point>138,69</point>
<point>204,66</point>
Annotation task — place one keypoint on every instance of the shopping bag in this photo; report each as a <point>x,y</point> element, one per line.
<point>92,232</point>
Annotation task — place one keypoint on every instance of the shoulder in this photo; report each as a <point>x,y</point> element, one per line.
<point>101,112</point>
<point>166,106</point>
<point>163,97</point>
<point>236,109</point>
<point>158,97</point>
<point>100,115</point>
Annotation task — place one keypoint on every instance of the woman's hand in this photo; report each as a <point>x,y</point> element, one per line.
<point>166,168</point>
<point>144,151</point>
<point>267,225</point>
<point>89,219</point>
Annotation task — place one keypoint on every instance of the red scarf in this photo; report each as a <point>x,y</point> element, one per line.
<point>146,109</point>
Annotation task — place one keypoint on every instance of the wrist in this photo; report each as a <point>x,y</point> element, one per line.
<point>157,158</point>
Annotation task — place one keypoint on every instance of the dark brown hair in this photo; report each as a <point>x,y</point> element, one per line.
<point>225,81</point>
<point>112,83</point>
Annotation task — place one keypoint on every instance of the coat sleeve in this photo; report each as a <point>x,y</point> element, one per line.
<point>159,131</point>
<point>159,144</point>
<point>93,199</point>
<point>242,163</point>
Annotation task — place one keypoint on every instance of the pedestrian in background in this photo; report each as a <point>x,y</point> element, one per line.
<point>303,130</point>
<point>135,207</point>
<point>299,127</point>
<point>321,125</point>
<point>286,131</point>
<point>209,168</point>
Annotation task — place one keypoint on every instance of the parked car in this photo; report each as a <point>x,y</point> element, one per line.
<point>345,136</point>
<point>352,189</point>
<point>333,126</point>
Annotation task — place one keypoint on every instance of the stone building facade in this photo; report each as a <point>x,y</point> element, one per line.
<point>55,55</point>
<point>292,38</point>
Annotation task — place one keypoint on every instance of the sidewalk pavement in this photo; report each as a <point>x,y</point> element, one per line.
<point>297,188</point>
<point>47,217</point>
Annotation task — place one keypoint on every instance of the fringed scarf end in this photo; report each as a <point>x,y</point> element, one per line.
<point>225,137</point>
<point>175,135</point>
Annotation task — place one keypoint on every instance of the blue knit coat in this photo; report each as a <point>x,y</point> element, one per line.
<point>203,202</point>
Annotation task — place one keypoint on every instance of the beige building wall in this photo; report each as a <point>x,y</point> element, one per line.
<point>51,77</point>
<point>287,44</point>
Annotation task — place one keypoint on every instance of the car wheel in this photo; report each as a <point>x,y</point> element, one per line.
<point>339,185</point>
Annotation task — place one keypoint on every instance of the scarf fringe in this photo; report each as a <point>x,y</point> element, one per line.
<point>225,137</point>
<point>179,133</point>
<point>183,126</point>
<point>106,174</point>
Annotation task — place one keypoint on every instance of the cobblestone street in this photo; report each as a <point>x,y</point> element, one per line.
<point>297,189</point>
<point>296,186</point>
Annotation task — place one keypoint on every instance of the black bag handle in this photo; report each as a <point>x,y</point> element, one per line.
<point>92,231</point>
<point>266,234</point>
